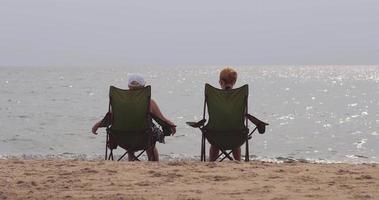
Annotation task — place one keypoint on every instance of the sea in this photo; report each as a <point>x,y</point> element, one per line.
<point>326,114</point>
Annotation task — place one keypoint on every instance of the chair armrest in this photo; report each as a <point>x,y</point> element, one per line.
<point>197,124</point>
<point>106,121</point>
<point>261,125</point>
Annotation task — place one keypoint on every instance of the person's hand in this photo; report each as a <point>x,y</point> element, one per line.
<point>173,129</point>
<point>173,126</point>
<point>95,127</point>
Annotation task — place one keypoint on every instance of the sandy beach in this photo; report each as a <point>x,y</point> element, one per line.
<point>73,179</point>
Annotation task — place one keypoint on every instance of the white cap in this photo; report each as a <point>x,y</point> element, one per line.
<point>136,80</point>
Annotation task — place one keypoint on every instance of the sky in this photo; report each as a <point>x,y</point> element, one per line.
<point>196,32</point>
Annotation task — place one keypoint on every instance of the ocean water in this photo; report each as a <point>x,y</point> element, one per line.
<point>316,113</point>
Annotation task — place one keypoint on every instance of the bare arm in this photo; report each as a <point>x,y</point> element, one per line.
<point>105,122</point>
<point>154,108</point>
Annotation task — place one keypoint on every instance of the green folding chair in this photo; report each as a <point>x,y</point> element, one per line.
<point>129,122</point>
<point>227,127</point>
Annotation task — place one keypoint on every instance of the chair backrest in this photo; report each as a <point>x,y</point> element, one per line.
<point>130,109</point>
<point>226,108</point>
<point>226,127</point>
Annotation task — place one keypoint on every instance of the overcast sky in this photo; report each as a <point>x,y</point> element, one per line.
<point>195,32</point>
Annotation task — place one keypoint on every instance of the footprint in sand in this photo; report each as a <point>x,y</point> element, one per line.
<point>348,187</point>
<point>156,174</point>
<point>110,171</point>
<point>34,183</point>
<point>279,198</point>
<point>144,183</point>
<point>343,172</point>
<point>364,177</point>
<point>362,196</point>
<point>174,175</point>
<point>89,170</point>
<point>274,177</point>
<point>177,163</point>
<point>18,162</point>
<point>65,174</point>
<point>216,178</point>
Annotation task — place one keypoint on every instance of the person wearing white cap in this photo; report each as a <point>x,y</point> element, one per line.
<point>136,81</point>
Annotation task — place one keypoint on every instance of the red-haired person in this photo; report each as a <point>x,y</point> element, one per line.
<point>228,78</point>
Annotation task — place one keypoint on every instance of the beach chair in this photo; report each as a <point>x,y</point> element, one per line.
<point>227,127</point>
<point>129,122</point>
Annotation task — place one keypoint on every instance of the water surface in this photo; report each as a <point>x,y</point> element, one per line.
<point>321,113</point>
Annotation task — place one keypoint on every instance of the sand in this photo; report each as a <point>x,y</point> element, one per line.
<point>68,179</point>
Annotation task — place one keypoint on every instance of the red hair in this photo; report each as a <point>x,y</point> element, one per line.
<point>228,75</point>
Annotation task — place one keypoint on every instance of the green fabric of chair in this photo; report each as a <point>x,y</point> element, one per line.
<point>130,119</point>
<point>227,126</point>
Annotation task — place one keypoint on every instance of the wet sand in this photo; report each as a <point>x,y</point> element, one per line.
<point>68,179</point>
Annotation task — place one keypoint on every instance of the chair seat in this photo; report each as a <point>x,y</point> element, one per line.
<point>226,139</point>
<point>130,140</point>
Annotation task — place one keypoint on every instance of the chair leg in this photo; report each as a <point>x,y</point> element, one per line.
<point>227,155</point>
<point>219,155</point>
<point>110,157</point>
<point>135,158</point>
<point>251,133</point>
<point>247,157</point>
<point>106,152</point>
<point>247,150</point>
<point>106,147</point>
<point>126,152</point>
<point>202,151</point>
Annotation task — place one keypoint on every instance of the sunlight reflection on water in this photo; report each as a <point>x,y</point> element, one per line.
<point>330,109</point>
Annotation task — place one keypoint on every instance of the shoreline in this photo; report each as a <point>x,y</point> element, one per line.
<point>75,179</point>
<point>181,158</point>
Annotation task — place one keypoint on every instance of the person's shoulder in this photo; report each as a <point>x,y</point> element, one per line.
<point>152,101</point>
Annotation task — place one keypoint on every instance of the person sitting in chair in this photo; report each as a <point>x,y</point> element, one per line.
<point>136,81</point>
<point>228,78</point>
